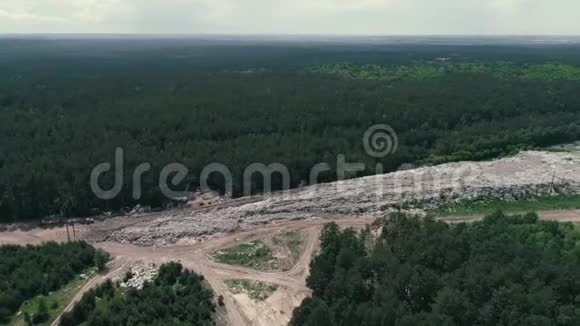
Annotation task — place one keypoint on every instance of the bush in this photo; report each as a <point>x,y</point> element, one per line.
<point>101,259</point>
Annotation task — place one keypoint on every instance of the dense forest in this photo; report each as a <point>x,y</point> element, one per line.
<point>66,105</point>
<point>443,67</point>
<point>26,272</point>
<point>176,297</point>
<point>504,270</point>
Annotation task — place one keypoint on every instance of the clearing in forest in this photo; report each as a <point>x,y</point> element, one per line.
<point>277,253</point>
<point>254,254</point>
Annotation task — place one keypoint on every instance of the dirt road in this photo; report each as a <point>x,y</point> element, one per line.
<point>276,310</point>
<point>116,268</point>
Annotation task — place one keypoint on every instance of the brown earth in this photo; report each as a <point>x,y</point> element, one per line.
<point>191,235</point>
<point>276,310</point>
<point>527,174</point>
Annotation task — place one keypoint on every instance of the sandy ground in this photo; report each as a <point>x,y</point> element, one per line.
<point>241,310</point>
<point>525,175</point>
<point>276,310</point>
<point>190,236</point>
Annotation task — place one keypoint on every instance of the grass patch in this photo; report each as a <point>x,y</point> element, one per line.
<point>55,302</point>
<point>483,207</point>
<point>292,240</point>
<point>566,148</point>
<point>256,290</point>
<point>254,254</point>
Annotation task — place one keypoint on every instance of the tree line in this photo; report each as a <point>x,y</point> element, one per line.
<point>504,270</point>
<point>26,272</point>
<point>64,117</point>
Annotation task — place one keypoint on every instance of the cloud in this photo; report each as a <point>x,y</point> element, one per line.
<point>25,14</point>
<point>96,11</point>
<point>292,16</point>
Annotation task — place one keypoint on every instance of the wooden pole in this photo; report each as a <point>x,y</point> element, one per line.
<point>67,233</point>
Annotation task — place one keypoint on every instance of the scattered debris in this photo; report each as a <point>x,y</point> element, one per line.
<point>258,291</point>
<point>139,275</point>
<point>528,174</point>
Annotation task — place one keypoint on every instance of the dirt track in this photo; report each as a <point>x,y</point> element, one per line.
<point>191,235</point>
<point>116,268</point>
<point>277,309</point>
<point>525,175</point>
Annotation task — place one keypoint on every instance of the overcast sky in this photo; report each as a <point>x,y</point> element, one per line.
<point>292,16</point>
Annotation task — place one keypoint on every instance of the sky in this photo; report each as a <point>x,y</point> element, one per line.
<point>342,17</point>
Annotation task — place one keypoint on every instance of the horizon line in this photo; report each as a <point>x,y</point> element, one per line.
<point>284,34</point>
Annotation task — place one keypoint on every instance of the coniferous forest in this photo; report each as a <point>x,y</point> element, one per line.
<point>176,297</point>
<point>26,272</point>
<point>504,270</point>
<point>67,104</point>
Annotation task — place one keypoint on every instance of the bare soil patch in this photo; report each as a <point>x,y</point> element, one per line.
<point>256,290</point>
